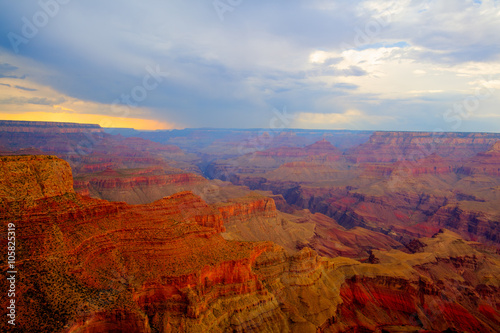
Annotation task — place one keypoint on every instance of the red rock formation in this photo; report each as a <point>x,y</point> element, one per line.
<point>136,186</point>
<point>317,148</point>
<point>45,177</point>
<point>397,195</point>
<point>166,258</point>
<point>123,183</point>
<point>255,218</point>
<point>246,207</point>
<point>332,240</point>
<point>423,301</point>
<point>396,146</point>
<point>317,155</point>
<point>477,221</point>
<point>87,148</point>
<point>487,163</point>
<point>428,165</point>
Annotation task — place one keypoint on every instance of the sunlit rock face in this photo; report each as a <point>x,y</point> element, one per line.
<point>30,178</point>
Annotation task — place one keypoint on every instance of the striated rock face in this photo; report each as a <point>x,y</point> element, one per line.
<point>317,148</point>
<point>428,165</point>
<point>260,162</point>
<point>395,146</point>
<point>425,296</point>
<point>138,181</point>
<point>245,207</point>
<point>89,265</point>
<point>487,163</point>
<point>136,186</point>
<point>255,218</point>
<point>478,220</point>
<point>87,148</point>
<point>403,292</point>
<point>144,171</point>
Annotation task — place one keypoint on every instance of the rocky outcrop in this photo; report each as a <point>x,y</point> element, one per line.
<point>244,208</point>
<point>31,178</point>
<point>138,181</point>
<point>255,218</point>
<point>332,240</point>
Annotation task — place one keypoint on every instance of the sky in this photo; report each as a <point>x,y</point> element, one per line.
<point>417,65</point>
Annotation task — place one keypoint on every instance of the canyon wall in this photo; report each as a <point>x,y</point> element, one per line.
<point>395,146</point>
<point>47,127</point>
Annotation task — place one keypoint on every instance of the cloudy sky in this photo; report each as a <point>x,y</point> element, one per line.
<point>157,64</point>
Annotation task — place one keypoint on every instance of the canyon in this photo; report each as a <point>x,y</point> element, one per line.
<point>206,230</point>
<point>90,265</point>
<point>404,185</point>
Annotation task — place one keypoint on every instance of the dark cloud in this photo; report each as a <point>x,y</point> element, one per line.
<point>26,89</point>
<point>6,71</point>
<point>32,100</point>
<point>5,68</point>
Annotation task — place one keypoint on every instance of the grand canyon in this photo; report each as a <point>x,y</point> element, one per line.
<point>234,230</point>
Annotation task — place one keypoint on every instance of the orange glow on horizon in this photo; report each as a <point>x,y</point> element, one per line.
<point>102,120</point>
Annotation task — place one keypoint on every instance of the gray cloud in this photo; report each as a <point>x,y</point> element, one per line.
<point>232,73</point>
<point>32,100</point>
<point>347,86</point>
<point>26,89</point>
<point>5,68</point>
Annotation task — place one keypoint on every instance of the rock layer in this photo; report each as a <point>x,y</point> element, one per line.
<point>47,127</point>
